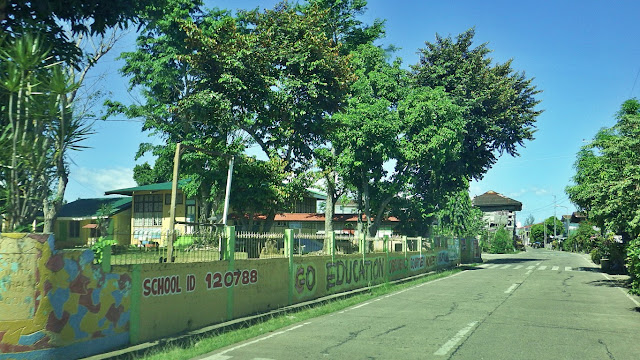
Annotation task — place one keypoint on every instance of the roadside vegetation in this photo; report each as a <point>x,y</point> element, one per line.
<point>606,189</point>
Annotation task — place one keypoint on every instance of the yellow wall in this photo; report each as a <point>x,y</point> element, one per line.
<point>184,308</point>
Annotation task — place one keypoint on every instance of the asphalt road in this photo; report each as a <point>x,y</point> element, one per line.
<point>539,304</point>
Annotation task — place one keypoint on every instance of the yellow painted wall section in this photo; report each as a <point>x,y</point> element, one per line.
<point>181,297</point>
<point>269,288</point>
<point>122,227</point>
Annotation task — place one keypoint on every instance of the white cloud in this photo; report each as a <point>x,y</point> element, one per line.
<point>88,182</point>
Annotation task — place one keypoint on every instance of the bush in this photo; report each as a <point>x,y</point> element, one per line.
<point>633,265</point>
<point>99,246</point>
<point>501,243</point>
<point>596,255</point>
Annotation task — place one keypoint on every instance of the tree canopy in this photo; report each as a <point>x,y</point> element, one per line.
<point>306,85</point>
<point>607,174</point>
<point>53,19</point>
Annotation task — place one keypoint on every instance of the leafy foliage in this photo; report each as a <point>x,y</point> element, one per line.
<point>582,239</point>
<point>607,174</point>
<point>501,242</point>
<point>51,17</point>
<point>39,130</point>
<point>633,265</point>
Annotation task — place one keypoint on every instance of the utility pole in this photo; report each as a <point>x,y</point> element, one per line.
<point>554,218</point>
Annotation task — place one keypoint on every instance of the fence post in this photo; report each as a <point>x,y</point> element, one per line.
<point>229,255</point>
<point>363,241</point>
<point>288,253</point>
<point>404,246</point>
<point>420,245</point>
<point>106,259</point>
<point>230,244</point>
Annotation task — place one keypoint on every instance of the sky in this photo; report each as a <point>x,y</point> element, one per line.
<point>583,55</point>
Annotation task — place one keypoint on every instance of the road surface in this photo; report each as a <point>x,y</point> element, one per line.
<point>539,304</point>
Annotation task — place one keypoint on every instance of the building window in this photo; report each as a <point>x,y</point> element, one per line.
<point>147,210</point>
<point>167,199</point>
<point>74,229</point>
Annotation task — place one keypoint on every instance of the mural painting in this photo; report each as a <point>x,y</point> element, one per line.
<point>66,307</point>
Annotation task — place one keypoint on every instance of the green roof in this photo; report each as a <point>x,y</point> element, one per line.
<point>89,208</point>
<point>317,194</point>
<point>150,187</point>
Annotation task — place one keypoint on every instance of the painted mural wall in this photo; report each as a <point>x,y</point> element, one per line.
<point>58,305</point>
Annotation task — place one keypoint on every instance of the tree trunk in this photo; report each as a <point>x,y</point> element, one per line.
<point>329,210</point>
<point>268,222</point>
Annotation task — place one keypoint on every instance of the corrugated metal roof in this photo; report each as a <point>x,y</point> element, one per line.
<point>150,187</point>
<point>493,199</point>
<point>89,208</point>
<point>316,217</point>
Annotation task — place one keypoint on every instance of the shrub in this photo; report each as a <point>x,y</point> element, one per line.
<point>99,246</point>
<point>633,265</point>
<point>501,243</point>
<point>596,255</point>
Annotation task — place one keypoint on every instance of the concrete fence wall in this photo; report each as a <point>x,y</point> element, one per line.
<point>60,305</point>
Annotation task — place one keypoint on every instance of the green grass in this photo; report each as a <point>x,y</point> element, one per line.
<point>195,346</point>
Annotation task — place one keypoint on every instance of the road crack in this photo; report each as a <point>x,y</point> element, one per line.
<point>607,349</point>
<point>453,308</point>
<point>390,330</point>
<point>352,336</point>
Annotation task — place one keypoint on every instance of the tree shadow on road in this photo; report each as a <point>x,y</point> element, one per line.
<point>620,283</point>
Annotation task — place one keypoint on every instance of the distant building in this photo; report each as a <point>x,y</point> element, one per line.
<point>498,210</point>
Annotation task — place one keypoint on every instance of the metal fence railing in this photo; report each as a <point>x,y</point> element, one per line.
<point>309,244</point>
<point>259,245</point>
<point>209,245</point>
<point>197,246</point>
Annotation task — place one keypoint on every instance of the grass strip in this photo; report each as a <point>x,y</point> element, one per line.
<point>199,345</point>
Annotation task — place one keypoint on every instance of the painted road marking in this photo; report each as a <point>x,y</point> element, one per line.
<point>222,356</point>
<point>518,267</point>
<point>530,267</point>
<point>361,305</point>
<point>528,272</point>
<point>506,267</point>
<point>444,350</point>
<point>568,268</point>
<point>537,264</point>
<point>511,288</point>
<point>543,267</point>
<point>484,266</point>
<point>555,268</point>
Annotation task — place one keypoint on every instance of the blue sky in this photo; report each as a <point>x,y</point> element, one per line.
<point>584,55</point>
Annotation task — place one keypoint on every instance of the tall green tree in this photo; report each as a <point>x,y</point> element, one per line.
<point>607,174</point>
<point>226,82</point>
<point>498,104</point>
<point>530,220</point>
<point>458,114</point>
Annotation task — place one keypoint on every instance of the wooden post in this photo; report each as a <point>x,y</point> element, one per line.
<point>172,211</point>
